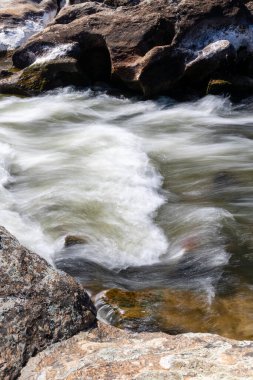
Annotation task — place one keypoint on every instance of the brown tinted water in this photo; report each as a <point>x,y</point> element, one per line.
<point>177,311</point>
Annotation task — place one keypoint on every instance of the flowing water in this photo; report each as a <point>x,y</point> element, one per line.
<point>160,192</point>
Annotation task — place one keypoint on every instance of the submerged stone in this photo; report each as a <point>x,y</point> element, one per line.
<point>71,240</point>
<point>177,311</point>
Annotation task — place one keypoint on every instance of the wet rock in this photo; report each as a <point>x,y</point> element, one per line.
<point>109,353</point>
<point>71,13</point>
<point>125,41</point>
<point>152,47</point>
<point>219,87</point>
<point>112,3</point>
<point>249,5</point>
<point>238,86</point>
<point>242,84</point>
<point>74,240</point>
<point>210,59</point>
<point>39,78</point>
<point>38,306</point>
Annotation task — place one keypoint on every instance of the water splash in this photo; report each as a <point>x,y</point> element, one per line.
<point>13,37</point>
<point>50,54</point>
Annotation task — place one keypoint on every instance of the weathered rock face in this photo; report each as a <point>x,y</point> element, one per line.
<point>154,47</point>
<point>109,353</point>
<point>38,306</point>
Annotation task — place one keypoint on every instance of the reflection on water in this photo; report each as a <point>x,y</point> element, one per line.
<point>160,192</point>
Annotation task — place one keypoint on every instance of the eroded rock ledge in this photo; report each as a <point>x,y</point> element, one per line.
<point>38,306</point>
<point>151,47</point>
<point>108,353</point>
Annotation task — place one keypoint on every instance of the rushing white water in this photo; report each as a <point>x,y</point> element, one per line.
<point>97,172</point>
<point>144,182</point>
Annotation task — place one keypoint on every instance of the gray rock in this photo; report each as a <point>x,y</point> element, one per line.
<point>38,306</point>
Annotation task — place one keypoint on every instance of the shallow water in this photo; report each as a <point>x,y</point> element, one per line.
<point>160,191</point>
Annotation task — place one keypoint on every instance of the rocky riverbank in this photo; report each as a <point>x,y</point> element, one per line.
<point>149,47</point>
<point>38,306</point>
<point>109,353</point>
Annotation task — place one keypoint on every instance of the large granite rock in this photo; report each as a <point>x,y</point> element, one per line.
<point>38,306</point>
<point>108,353</point>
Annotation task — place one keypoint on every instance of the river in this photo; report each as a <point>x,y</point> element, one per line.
<point>160,192</point>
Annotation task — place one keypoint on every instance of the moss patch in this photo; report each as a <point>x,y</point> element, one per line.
<point>34,79</point>
<point>218,87</point>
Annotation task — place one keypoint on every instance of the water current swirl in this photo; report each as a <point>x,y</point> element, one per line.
<point>161,192</point>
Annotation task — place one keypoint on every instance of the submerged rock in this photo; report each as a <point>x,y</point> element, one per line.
<point>38,306</point>
<point>109,353</point>
<point>71,240</point>
<point>179,311</point>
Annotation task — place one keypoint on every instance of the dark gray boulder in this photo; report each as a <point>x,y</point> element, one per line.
<point>38,306</point>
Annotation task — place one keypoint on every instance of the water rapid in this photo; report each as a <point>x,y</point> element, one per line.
<point>159,191</point>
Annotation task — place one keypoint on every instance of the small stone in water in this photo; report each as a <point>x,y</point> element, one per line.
<point>73,240</point>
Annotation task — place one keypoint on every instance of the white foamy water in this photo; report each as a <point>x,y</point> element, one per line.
<point>144,182</point>
<point>49,54</point>
<point>13,37</point>
<point>97,172</point>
